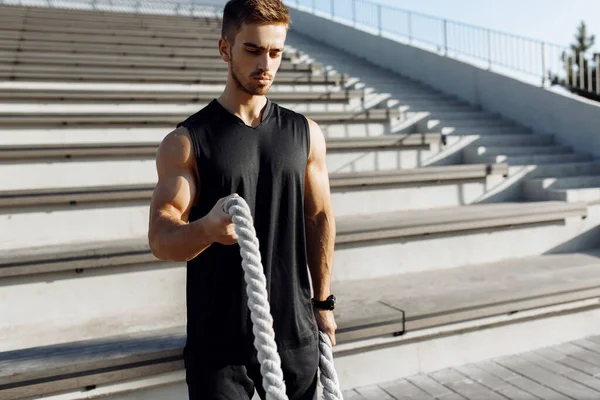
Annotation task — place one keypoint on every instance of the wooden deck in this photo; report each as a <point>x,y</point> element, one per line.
<point>567,371</point>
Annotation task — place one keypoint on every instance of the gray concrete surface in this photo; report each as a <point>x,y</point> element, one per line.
<point>574,121</point>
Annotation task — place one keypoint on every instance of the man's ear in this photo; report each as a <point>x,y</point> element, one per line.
<point>224,49</point>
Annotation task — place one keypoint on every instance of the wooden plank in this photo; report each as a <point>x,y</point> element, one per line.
<point>514,393</point>
<point>566,371</point>
<point>588,344</point>
<point>594,339</point>
<point>537,390</point>
<point>497,370</point>
<point>550,379</point>
<point>464,386</point>
<point>374,393</point>
<point>564,359</point>
<point>352,395</point>
<point>482,377</point>
<point>405,390</point>
<point>430,386</point>
<point>580,353</point>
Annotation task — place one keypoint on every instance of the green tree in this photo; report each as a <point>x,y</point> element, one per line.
<point>572,64</point>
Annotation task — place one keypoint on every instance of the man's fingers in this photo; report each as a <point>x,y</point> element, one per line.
<point>332,339</point>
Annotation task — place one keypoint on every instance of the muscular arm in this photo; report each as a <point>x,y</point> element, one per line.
<point>170,235</point>
<point>319,218</point>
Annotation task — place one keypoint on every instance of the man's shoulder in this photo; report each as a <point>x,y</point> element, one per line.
<point>203,116</point>
<point>289,113</point>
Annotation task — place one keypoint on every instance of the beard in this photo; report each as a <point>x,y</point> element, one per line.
<point>253,89</point>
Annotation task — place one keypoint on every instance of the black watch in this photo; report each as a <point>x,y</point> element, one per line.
<point>328,304</point>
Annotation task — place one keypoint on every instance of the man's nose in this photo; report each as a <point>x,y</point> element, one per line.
<point>264,62</point>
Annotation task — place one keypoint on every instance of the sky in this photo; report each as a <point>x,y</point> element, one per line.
<point>553,21</point>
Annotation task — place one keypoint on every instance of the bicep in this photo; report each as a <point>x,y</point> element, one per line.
<point>317,196</point>
<point>177,185</point>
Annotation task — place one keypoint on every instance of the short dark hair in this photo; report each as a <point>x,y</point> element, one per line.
<point>238,12</point>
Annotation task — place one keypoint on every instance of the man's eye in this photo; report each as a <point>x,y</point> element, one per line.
<point>252,51</point>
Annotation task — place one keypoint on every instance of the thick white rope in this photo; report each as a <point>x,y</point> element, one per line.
<point>260,313</point>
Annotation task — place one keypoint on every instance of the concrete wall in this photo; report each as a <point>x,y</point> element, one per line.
<point>573,121</point>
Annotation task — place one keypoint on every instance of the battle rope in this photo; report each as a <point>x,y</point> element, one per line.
<point>264,335</point>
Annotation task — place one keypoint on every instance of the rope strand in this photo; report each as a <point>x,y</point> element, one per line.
<point>264,335</point>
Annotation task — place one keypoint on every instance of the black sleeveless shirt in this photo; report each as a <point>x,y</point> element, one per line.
<point>264,165</point>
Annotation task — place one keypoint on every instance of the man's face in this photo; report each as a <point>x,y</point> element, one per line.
<point>255,56</point>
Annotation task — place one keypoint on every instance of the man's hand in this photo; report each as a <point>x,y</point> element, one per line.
<point>326,323</point>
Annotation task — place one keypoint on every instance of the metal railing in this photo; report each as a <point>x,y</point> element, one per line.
<point>527,59</point>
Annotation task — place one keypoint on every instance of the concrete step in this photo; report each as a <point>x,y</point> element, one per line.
<point>108,49</point>
<point>148,149</point>
<point>107,74</point>
<point>101,164</point>
<point>379,319</point>
<point>55,58</point>
<point>106,214</point>
<point>149,88</point>
<point>482,129</point>
<point>538,159</point>
<point>432,107</point>
<point>558,170</point>
<point>115,37</point>
<point>48,24</point>
<point>502,140</point>
<point>378,153</point>
<point>63,184</point>
<point>576,195</point>
<point>96,27</point>
<point>130,96</point>
<point>82,135</point>
<point>571,182</point>
<point>109,134</point>
<point>570,189</point>
<point>124,66</point>
<point>65,16</point>
<point>140,107</point>
<point>417,189</point>
<point>476,153</point>
<point>168,117</point>
<point>9,45</point>
<point>461,235</point>
<point>461,116</point>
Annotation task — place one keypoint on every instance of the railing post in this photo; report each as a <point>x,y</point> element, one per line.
<point>598,74</point>
<point>543,47</point>
<point>354,12</point>
<point>380,19</point>
<point>590,88</point>
<point>581,71</point>
<point>445,37</point>
<point>409,17</point>
<point>314,6</point>
<point>332,9</point>
<point>489,46</point>
<point>568,69</point>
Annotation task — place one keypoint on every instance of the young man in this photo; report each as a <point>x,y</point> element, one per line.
<point>244,144</point>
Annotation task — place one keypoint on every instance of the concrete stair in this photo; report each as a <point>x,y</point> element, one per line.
<point>413,309</point>
<point>456,228</point>
<point>479,153</point>
<point>572,188</point>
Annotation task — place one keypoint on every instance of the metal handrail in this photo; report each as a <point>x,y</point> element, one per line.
<point>531,60</point>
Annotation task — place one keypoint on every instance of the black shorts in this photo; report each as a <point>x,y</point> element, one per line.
<point>238,382</point>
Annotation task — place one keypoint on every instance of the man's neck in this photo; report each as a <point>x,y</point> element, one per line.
<point>247,107</point>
